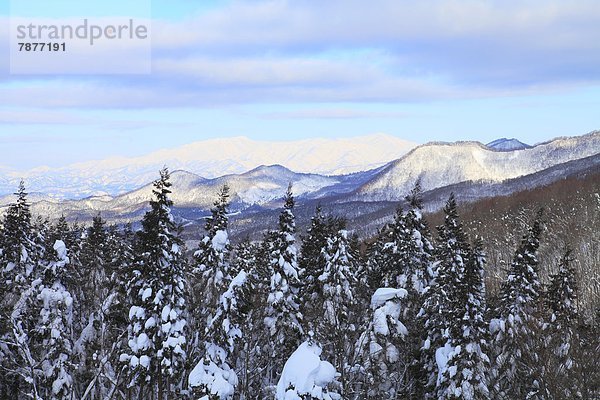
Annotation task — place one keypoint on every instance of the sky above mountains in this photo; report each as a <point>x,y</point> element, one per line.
<point>275,70</point>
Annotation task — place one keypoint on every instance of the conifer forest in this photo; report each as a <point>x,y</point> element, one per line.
<point>102,311</point>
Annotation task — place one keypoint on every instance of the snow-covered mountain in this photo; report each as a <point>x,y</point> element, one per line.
<point>258,187</point>
<point>443,164</point>
<point>505,144</point>
<point>210,159</point>
<point>437,165</point>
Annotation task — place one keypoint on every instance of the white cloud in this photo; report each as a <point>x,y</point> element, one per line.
<point>333,113</point>
<point>350,51</point>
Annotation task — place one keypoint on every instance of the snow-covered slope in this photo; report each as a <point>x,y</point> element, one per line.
<point>505,144</point>
<point>211,159</point>
<point>437,165</point>
<point>259,186</point>
<point>442,164</point>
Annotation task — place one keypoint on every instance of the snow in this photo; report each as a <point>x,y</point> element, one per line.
<point>60,248</point>
<point>442,355</point>
<point>166,312</point>
<point>235,156</point>
<point>382,295</point>
<point>305,374</point>
<point>141,342</point>
<point>145,361</point>
<point>146,294</point>
<point>220,240</point>
<point>9,267</point>
<point>441,164</point>
<point>220,381</point>
<point>151,322</point>
<point>137,312</point>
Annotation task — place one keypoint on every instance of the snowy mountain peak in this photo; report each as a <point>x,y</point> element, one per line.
<point>211,159</point>
<point>440,164</point>
<point>504,144</point>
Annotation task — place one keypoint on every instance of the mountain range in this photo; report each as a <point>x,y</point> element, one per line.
<point>210,159</point>
<point>470,169</point>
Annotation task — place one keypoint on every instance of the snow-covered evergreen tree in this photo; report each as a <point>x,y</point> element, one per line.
<point>21,249</point>
<point>311,263</point>
<point>157,337</point>
<point>466,375</point>
<point>416,254</point>
<point>225,301</point>
<point>53,331</point>
<point>518,322</point>
<point>306,376</point>
<point>283,318</point>
<point>381,346</point>
<point>336,329</point>
<point>443,308</point>
<point>563,372</point>
<point>214,376</point>
<point>250,356</point>
<point>212,260</point>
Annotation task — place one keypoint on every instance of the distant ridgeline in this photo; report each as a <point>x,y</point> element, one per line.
<point>499,301</point>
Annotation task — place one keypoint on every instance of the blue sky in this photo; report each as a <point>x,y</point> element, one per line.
<point>276,70</point>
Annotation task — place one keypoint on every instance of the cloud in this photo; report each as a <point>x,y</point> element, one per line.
<point>333,113</point>
<point>37,117</point>
<point>344,51</point>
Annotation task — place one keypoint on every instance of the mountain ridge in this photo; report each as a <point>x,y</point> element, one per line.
<point>212,158</point>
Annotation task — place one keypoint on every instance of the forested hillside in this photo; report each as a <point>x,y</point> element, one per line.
<point>474,308</point>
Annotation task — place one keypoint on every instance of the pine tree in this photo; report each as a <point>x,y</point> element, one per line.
<point>53,331</point>
<point>443,308</point>
<point>416,257</point>
<point>518,321</point>
<point>311,263</point>
<point>283,318</point>
<point>212,259</point>
<point>90,289</point>
<point>250,359</point>
<point>257,363</point>
<point>563,372</point>
<point>157,337</point>
<point>381,345</point>
<point>467,371</point>
<point>22,250</point>
<point>214,374</point>
<point>336,330</point>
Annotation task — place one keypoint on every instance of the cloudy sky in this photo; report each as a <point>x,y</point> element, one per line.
<point>275,70</point>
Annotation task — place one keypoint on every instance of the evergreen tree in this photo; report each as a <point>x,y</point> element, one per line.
<point>443,308</point>
<point>214,375</point>
<point>311,263</point>
<point>563,372</point>
<point>518,322</point>
<point>21,251</point>
<point>467,371</point>
<point>250,356</point>
<point>257,365</point>
<point>212,258</point>
<point>53,331</point>
<point>336,330</point>
<point>283,318</point>
<point>21,248</point>
<point>157,337</point>
<point>381,345</point>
